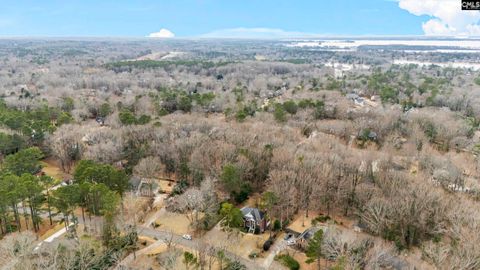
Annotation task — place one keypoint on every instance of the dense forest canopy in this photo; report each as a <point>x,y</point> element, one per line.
<point>391,148</point>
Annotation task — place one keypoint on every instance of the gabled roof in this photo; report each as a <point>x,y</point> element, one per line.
<point>308,233</point>
<point>252,213</point>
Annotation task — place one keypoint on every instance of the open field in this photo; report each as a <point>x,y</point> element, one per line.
<point>241,244</point>
<point>51,167</point>
<point>174,222</point>
<point>165,186</point>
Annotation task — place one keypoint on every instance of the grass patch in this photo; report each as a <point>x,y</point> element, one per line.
<point>320,219</point>
<point>288,261</point>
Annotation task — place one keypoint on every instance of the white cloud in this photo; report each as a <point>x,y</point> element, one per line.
<point>254,33</point>
<point>447,17</point>
<point>436,27</point>
<point>163,33</point>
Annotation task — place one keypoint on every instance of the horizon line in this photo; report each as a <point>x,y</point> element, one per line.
<point>179,38</point>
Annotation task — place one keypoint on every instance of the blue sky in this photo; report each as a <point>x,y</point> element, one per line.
<point>189,18</point>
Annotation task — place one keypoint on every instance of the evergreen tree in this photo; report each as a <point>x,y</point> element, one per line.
<point>314,249</point>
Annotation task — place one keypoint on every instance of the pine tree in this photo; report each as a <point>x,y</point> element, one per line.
<point>314,248</point>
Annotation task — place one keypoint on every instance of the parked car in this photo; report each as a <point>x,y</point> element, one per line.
<point>187,237</point>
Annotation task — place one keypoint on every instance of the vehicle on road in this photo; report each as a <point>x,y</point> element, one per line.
<point>187,237</point>
<point>291,242</point>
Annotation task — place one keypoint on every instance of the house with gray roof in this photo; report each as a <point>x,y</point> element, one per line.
<point>254,220</point>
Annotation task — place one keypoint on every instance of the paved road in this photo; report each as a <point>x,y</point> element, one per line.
<point>54,236</point>
<point>154,217</point>
<point>277,247</point>
<point>194,244</point>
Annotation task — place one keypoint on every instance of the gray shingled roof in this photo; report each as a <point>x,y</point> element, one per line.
<point>256,214</point>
